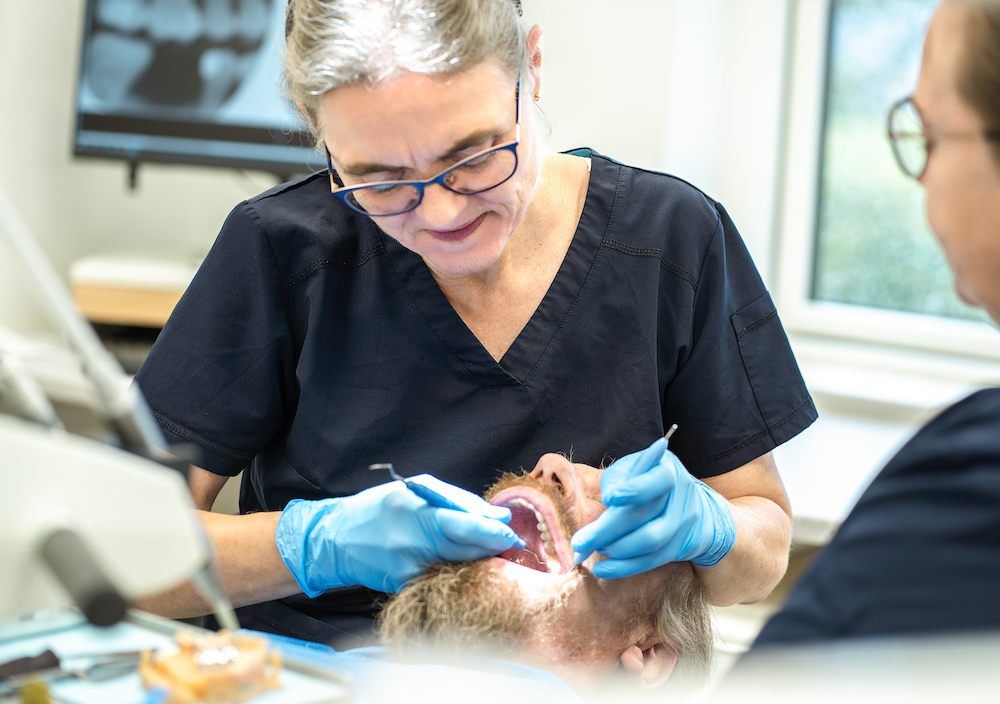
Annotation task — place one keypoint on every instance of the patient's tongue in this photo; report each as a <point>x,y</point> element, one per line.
<point>524,522</point>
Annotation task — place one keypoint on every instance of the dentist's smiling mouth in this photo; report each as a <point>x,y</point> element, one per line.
<point>459,233</point>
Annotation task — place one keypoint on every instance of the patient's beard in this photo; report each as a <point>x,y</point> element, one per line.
<point>467,607</point>
<point>455,608</point>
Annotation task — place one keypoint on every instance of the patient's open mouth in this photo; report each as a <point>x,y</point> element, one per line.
<point>533,518</point>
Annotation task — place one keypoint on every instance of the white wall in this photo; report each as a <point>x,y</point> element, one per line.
<point>76,207</point>
<point>691,86</point>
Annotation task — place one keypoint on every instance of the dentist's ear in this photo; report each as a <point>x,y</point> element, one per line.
<point>652,659</point>
<point>535,59</point>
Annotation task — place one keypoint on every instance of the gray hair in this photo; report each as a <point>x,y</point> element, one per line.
<point>333,43</point>
<point>682,616</point>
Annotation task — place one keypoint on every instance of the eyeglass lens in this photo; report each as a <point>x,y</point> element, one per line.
<point>908,143</point>
<point>480,172</point>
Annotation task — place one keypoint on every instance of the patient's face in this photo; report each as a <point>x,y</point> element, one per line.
<point>535,603</point>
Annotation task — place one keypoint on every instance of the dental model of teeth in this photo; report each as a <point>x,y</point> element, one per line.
<point>210,668</point>
<point>549,558</point>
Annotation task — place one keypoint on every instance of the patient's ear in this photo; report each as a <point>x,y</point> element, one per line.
<point>652,659</point>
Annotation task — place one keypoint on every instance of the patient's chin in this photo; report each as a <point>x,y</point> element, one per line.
<point>536,590</point>
<point>490,607</point>
<point>455,609</point>
<point>498,608</point>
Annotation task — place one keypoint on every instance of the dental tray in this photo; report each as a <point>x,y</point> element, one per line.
<point>301,682</point>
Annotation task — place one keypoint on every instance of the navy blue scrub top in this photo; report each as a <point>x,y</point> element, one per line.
<point>310,345</point>
<point>920,551</point>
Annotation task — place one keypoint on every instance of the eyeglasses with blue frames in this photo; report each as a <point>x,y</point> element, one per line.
<point>911,141</point>
<point>478,173</point>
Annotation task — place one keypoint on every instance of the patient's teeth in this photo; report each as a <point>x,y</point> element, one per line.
<point>552,561</point>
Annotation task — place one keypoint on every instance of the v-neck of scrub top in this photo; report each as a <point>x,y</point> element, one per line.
<point>518,363</point>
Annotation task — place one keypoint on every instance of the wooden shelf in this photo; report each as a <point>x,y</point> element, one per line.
<point>118,289</point>
<point>119,306</point>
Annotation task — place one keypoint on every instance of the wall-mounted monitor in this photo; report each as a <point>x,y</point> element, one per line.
<point>191,82</point>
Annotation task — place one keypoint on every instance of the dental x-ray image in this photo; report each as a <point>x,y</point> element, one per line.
<point>176,53</point>
<point>192,81</point>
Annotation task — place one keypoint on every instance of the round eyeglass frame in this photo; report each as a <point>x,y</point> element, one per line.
<point>345,192</point>
<point>901,137</point>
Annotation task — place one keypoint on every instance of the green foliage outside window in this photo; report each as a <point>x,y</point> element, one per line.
<point>874,247</point>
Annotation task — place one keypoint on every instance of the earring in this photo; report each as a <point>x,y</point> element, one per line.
<point>537,96</point>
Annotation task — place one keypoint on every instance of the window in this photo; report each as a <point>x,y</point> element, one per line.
<point>873,245</point>
<point>858,260</point>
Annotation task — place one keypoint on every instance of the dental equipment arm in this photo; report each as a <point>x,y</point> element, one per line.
<point>125,410</point>
<point>122,405</point>
<point>23,395</point>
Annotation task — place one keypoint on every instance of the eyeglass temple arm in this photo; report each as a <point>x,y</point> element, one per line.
<point>333,172</point>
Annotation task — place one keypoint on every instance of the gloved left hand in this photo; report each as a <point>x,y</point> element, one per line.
<point>385,536</point>
<point>657,512</point>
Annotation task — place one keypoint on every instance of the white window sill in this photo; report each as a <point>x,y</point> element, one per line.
<point>871,400</point>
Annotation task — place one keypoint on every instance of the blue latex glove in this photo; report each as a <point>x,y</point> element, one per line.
<point>385,536</point>
<point>657,513</point>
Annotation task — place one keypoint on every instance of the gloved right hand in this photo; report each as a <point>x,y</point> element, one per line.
<point>657,513</point>
<point>383,537</point>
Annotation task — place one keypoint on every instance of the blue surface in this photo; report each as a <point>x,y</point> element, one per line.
<point>379,678</point>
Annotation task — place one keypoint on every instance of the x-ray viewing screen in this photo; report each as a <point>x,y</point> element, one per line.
<point>188,81</point>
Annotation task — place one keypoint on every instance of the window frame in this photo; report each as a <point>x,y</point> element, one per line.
<point>797,217</point>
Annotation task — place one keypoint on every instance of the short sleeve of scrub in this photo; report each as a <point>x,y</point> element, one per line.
<point>225,359</point>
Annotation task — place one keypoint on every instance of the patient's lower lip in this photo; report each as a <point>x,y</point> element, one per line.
<point>525,558</point>
<point>458,233</point>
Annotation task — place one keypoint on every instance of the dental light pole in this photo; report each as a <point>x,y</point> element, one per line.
<point>84,522</point>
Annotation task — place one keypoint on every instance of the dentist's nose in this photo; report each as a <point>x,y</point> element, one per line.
<point>440,207</point>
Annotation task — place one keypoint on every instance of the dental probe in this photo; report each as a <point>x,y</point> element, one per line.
<point>432,497</point>
<point>666,440</point>
<point>579,557</point>
<point>419,487</point>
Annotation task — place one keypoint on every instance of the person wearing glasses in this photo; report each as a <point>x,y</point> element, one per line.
<point>447,299</point>
<point>920,551</point>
